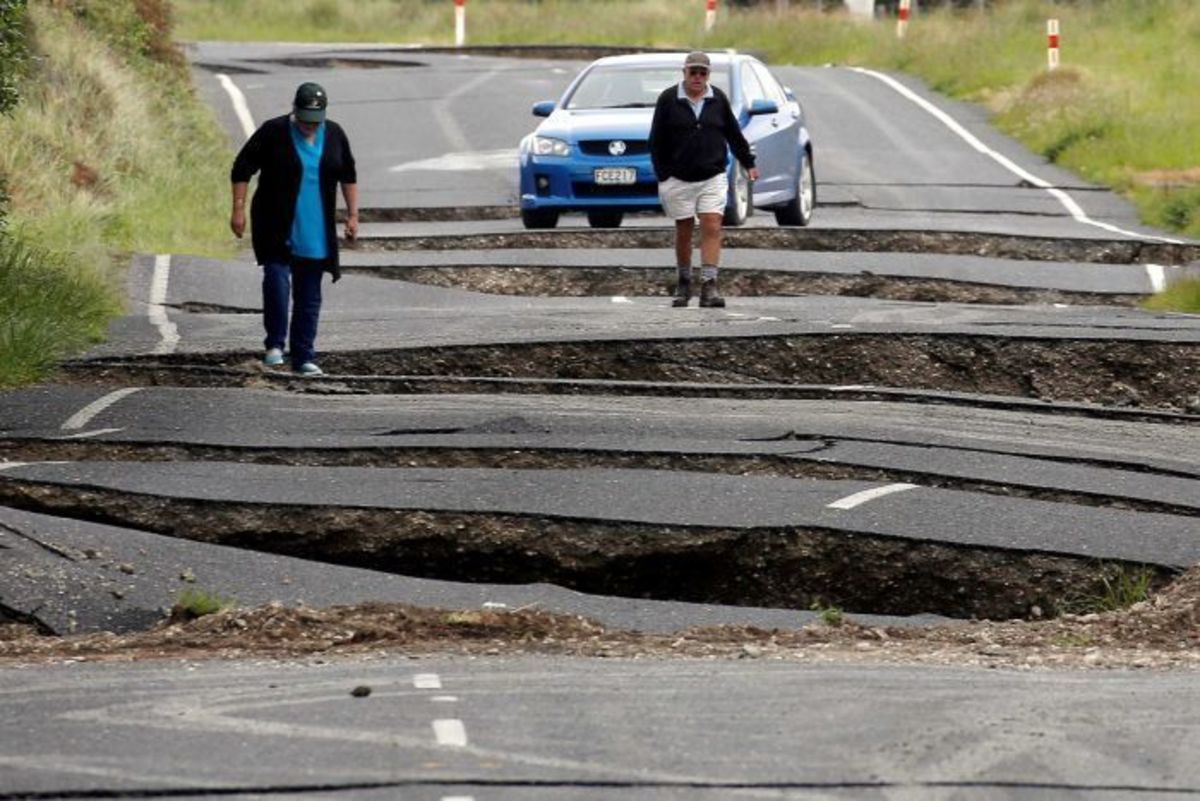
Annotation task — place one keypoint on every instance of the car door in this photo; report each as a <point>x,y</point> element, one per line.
<point>774,148</point>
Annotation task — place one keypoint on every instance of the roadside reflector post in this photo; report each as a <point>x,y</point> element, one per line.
<point>460,22</point>
<point>710,14</point>
<point>902,18</point>
<point>1052,35</point>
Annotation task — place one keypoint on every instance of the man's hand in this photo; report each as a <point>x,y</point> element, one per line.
<point>352,226</point>
<point>237,221</point>
<point>753,173</point>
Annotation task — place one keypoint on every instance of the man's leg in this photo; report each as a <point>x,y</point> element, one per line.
<point>683,260</point>
<point>710,258</point>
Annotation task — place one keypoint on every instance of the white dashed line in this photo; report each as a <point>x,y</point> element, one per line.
<point>450,732</point>
<point>427,681</point>
<point>239,104</point>
<point>858,498</point>
<point>444,699</point>
<point>1062,197</point>
<point>1158,277</point>
<point>93,433</point>
<point>84,416</point>
<point>621,299</point>
<point>457,798</point>
<point>168,334</point>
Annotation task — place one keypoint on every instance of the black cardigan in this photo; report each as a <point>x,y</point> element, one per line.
<point>271,153</point>
<point>691,149</point>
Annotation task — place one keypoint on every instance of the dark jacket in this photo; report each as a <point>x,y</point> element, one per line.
<point>691,149</point>
<point>271,153</point>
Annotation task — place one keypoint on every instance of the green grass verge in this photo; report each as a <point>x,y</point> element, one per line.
<point>107,153</point>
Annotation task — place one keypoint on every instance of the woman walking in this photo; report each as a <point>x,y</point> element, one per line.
<point>300,158</point>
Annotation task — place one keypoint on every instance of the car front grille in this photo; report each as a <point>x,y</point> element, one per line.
<point>599,147</point>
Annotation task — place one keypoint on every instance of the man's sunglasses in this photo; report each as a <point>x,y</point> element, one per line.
<point>697,71</point>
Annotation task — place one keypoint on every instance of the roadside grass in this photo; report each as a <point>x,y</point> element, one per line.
<point>1121,587</point>
<point>1179,296</point>
<point>195,602</point>
<point>107,153</point>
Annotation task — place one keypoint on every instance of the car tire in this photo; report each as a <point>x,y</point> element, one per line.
<point>799,210</point>
<point>741,199</point>
<point>605,219</point>
<point>539,218</point>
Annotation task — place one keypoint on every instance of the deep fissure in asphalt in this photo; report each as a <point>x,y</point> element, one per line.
<point>788,567</point>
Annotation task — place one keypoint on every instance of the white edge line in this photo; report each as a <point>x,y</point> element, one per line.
<point>858,498</point>
<point>168,334</point>
<point>84,416</point>
<point>1158,277</point>
<point>9,465</point>
<point>238,100</point>
<point>450,731</point>
<point>93,433</point>
<point>1066,200</point>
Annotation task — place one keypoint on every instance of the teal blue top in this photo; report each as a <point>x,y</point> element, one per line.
<point>308,225</point>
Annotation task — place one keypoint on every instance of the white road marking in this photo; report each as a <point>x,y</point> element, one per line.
<point>457,798</point>
<point>444,699</point>
<point>1062,197</point>
<point>441,110</point>
<point>167,332</point>
<point>450,732</point>
<point>1158,277</point>
<point>858,498</point>
<point>470,160</point>
<point>84,416</point>
<point>621,299</point>
<point>9,465</point>
<point>239,104</point>
<point>93,433</point>
<point>427,681</point>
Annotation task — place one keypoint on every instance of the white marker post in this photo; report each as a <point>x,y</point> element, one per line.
<point>460,22</point>
<point>1052,35</point>
<point>902,18</point>
<point>710,14</point>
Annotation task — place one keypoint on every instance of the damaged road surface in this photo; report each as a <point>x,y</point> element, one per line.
<point>538,534</point>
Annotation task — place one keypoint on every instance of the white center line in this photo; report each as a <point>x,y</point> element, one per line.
<point>450,732</point>
<point>167,332</point>
<point>1062,197</point>
<point>850,501</point>
<point>239,103</point>
<point>427,681</point>
<point>84,416</point>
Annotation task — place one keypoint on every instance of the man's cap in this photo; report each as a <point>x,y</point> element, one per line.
<point>310,102</point>
<point>697,58</point>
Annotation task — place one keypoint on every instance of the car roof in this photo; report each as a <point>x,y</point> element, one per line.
<point>719,59</point>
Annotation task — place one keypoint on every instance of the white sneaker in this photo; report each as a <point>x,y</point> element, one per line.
<point>273,357</point>
<point>309,370</point>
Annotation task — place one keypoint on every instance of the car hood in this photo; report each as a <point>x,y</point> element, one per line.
<point>605,123</point>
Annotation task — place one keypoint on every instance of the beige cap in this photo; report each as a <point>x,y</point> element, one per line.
<point>697,58</point>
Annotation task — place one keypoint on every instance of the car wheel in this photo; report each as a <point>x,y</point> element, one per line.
<point>605,219</point>
<point>539,218</point>
<point>799,210</point>
<point>741,199</point>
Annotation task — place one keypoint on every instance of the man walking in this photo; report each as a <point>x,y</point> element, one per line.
<point>693,123</point>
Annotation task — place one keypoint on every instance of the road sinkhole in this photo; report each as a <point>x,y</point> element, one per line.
<point>1122,375</point>
<point>529,281</point>
<point>782,567</point>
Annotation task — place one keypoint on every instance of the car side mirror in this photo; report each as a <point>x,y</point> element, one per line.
<point>543,108</point>
<point>763,106</point>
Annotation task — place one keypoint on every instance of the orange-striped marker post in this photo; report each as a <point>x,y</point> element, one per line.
<point>460,22</point>
<point>902,18</point>
<point>1052,35</point>
<point>710,14</point>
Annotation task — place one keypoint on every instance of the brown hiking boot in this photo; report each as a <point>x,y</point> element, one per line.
<point>683,289</point>
<point>709,296</point>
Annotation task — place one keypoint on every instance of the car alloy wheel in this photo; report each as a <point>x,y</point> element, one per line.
<point>799,210</point>
<point>741,195</point>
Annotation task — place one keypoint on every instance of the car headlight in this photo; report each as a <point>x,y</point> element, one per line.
<point>545,146</point>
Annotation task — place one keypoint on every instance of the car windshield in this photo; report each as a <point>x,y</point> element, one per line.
<point>630,87</point>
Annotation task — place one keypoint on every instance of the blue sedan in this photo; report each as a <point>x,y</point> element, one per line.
<point>590,154</point>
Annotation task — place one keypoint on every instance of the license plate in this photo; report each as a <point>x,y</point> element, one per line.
<point>615,176</point>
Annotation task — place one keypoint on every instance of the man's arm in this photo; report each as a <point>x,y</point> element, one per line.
<point>350,195</point>
<point>737,140</point>
<point>660,148</point>
<point>237,218</point>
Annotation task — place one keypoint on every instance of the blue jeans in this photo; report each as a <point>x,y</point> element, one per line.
<point>303,284</point>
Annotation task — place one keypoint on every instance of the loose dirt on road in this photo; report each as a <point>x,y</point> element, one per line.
<point>1161,633</point>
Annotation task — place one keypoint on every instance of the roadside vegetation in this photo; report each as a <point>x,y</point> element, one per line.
<point>107,152</point>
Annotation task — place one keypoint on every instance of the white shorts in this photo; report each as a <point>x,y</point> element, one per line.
<point>682,200</point>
